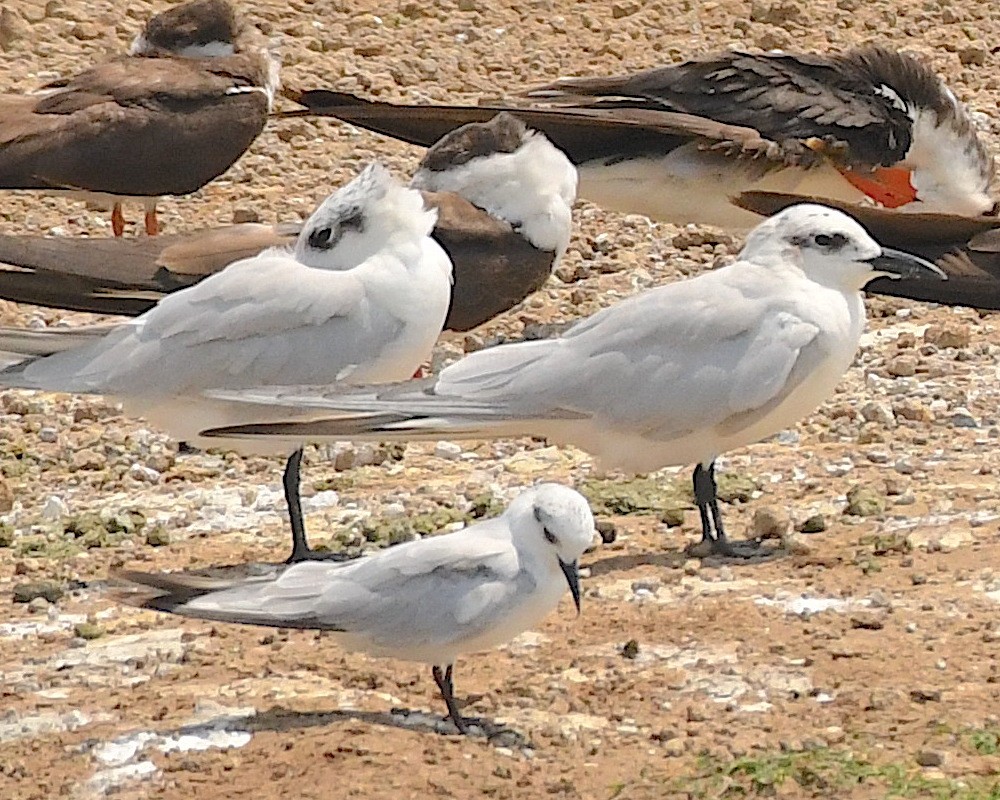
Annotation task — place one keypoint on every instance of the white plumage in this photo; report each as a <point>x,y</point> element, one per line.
<point>676,375</point>
<point>361,298</point>
<point>428,600</point>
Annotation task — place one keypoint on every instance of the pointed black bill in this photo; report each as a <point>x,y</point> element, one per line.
<point>573,579</point>
<point>897,264</point>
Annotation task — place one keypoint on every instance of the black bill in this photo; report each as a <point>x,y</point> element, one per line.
<point>573,579</point>
<point>897,264</point>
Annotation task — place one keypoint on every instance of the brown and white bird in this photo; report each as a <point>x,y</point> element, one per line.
<point>191,96</point>
<point>503,196</point>
<point>966,249</point>
<point>677,142</point>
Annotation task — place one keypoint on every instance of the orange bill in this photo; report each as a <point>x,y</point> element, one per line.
<point>890,187</point>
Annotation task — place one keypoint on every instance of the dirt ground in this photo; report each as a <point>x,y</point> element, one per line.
<point>859,662</point>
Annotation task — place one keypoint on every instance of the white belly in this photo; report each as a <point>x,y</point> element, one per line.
<point>691,186</point>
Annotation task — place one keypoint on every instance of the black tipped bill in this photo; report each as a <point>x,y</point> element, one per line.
<point>897,264</point>
<point>573,579</point>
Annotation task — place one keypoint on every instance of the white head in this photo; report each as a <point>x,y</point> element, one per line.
<point>552,526</point>
<point>510,172</point>
<point>369,214</point>
<point>830,247</point>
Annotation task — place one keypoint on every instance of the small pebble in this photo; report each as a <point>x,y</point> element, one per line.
<point>48,434</point>
<point>448,450</point>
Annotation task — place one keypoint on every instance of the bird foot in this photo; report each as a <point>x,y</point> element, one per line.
<point>499,735</point>
<point>726,549</point>
<point>300,554</point>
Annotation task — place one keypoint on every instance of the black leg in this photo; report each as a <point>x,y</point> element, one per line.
<point>495,734</point>
<point>708,503</point>
<point>713,535</point>
<point>300,548</point>
<point>447,689</point>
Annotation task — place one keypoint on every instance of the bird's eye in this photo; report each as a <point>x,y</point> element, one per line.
<point>834,241</point>
<point>320,239</point>
<point>549,536</point>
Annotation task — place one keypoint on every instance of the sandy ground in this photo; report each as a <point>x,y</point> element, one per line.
<point>859,662</point>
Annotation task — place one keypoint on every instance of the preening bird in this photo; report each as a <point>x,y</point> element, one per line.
<point>677,142</point>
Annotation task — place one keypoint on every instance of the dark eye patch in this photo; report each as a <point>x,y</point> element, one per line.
<point>833,241</point>
<point>549,536</point>
<point>321,239</point>
<point>354,221</point>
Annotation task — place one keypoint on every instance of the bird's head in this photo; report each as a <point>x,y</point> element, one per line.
<point>831,248</point>
<point>509,171</point>
<point>951,169</point>
<point>369,214</point>
<point>554,525</point>
<point>198,29</point>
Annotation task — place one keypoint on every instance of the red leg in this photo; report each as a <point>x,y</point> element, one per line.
<point>152,224</point>
<point>117,220</point>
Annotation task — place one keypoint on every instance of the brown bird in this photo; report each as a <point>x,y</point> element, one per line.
<point>189,99</point>
<point>967,249</point>
<point>675,143</point>
<point>503,196</point>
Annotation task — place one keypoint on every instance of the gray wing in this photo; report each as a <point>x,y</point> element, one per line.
<point>265,320</point>
<point>679,357</point>
<point>466,578</point>
<point>694,354</point>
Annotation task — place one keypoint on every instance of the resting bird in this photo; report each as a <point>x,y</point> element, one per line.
<point>192,95</point>
<point>503,195</point>
<point>677,374</point>
<point>361,297</point>
<point>428,600</point>
<point>675,143</point>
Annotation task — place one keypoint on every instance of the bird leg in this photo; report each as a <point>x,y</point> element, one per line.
<point>708,504</point>
<point>117,220</point>
<point>712,533</point>
<point>300,548</point>
<point>152,224</point>
<point>447,689</point>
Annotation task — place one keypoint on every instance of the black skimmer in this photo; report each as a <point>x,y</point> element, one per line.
<point>966,249</point>
<point>675,143</point>
<point>191,96</point>
<point>503,196</point>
